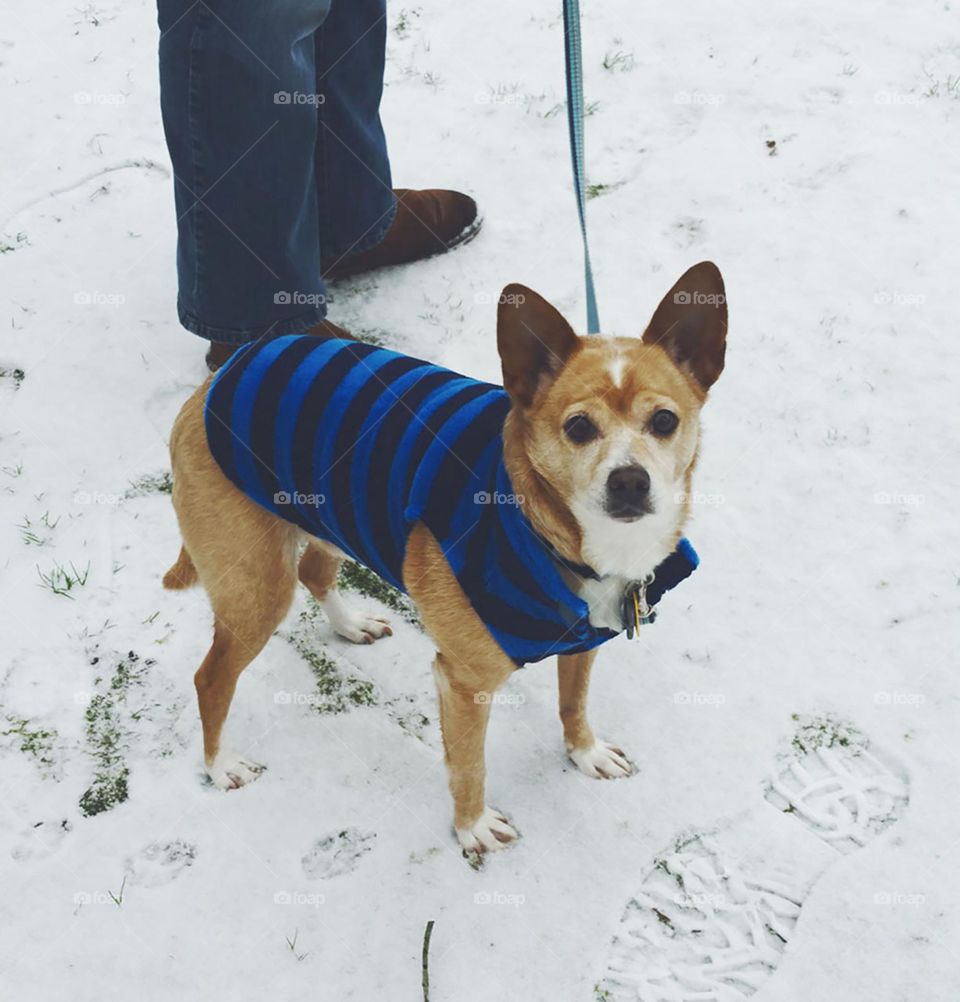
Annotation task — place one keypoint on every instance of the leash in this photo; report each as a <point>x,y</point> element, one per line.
<point>571,38</point>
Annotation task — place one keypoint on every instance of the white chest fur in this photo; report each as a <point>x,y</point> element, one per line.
<point>605,599</point>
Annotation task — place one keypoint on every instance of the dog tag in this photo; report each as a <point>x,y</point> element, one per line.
<point>636,612</point>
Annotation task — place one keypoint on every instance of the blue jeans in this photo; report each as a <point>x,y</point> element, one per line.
<point>271,114</point>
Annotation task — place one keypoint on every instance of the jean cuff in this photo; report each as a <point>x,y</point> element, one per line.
<point>226,335</point>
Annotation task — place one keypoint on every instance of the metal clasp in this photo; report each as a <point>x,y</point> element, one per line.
<point>636,611</point>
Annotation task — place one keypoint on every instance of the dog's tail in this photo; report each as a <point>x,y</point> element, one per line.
<point>183,574</point>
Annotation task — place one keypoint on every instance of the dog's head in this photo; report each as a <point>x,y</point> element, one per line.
<point>609,427</point>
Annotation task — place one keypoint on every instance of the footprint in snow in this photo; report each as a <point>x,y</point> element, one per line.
<point>705,925</point>
<point>337,853</point>
<point>41,839</point>
<point>160,862</point>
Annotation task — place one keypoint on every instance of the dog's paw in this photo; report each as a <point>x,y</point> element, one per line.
<point>362,628</point>
<point>601,761</point>
<point>358,627</point>
<point>230,771</point>
<point>491,831</point>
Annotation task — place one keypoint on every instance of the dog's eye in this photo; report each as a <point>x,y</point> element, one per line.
<point>580,429</point>
<point>664,422</point>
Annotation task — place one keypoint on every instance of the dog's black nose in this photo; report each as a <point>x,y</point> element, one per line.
<point>628,492</point>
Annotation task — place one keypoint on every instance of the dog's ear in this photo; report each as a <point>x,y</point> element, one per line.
<point>534,342</point>
<point>690,323</point>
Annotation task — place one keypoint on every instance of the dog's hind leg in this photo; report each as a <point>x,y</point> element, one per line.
<point>250,598</point>
<point>246,560</point>
<point>318,571</point>
<point>183,574</point>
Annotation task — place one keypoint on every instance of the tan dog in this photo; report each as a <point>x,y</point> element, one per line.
<point>600,442</point>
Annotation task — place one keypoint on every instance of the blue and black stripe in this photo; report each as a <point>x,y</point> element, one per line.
<point>355,444</point>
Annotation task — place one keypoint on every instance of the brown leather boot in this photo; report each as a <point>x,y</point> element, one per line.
<point>218,352</point>
<point>427,222</point>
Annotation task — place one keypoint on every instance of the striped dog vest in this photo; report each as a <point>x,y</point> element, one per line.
<point>355,444</point>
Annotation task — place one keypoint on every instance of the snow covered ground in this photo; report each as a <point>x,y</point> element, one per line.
<point>800,688</point>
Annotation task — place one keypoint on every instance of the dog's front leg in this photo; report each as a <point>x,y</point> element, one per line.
<point>464,712</point>
<point>594,758</point>
<point>469,668</point>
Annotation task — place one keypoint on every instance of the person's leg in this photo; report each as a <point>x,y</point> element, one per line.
<point>363,224</point>
<point>238,86</point>
<point>356,202</point>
